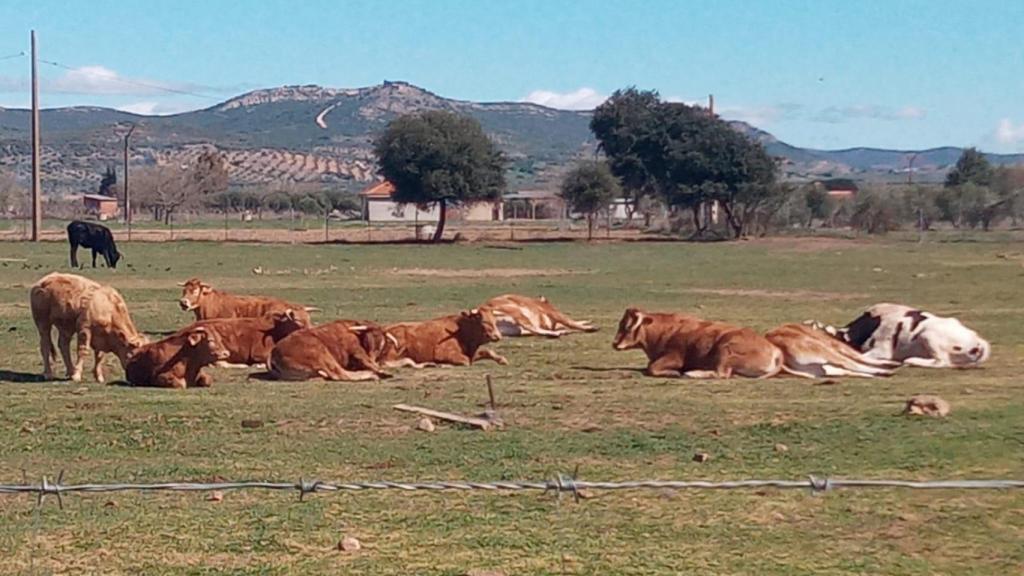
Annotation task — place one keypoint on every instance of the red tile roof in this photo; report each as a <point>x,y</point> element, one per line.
<point>382,189</point>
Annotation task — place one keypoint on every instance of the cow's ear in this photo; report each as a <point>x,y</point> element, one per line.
<point>290,314</point>
<point>646,320</point>
<point>466,313</point>
<point>196,336</point>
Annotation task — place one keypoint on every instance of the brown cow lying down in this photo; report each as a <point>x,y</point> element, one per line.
<point>522,315</point>
<point>340,350</point>
<point>813,353</point>
<point>178,360</point>
<point>679,345</point>
<point>249,340</point>
<point>78,306</point>
<point>199,297</point>
<point>456,339</point>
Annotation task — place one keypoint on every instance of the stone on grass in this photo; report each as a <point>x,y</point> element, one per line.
<point>349,544</point>
<point>425,424</point>
<point>927,405</point>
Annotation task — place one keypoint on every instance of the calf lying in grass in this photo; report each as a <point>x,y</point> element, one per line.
<point>178,360</point>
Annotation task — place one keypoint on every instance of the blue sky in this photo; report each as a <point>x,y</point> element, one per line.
<point>824,74</point>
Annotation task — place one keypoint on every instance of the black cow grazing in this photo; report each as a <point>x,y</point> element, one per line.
<point>96,237</point>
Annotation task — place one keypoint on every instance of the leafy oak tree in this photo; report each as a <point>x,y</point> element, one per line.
<point>589,188</point>
<point>685,155</point>
<point>440,157</point>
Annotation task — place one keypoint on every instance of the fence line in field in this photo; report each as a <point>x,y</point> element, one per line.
<point>560,484</point>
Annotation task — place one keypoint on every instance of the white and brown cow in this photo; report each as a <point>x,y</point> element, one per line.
<point>913,337</point>
<point>78,306</point>
<point>518,315</point>
<point>681,345</point>
<point>812,353</point>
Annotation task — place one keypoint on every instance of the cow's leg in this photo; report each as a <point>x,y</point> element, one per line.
<point>168,380</point>
<point>705,374</point>
<point>97,369</point>
<point>543,331</point>
<point>334,372</point>
<point>46,348</point>
<point>64,344</point>
<point>484,353</point>
<point>668,366</point>
<point>74,254</point>
<point>581,325</point>
<point>408,363</point>
<point>203,380</point>
<point>93,257</point>
<point>84,344</point>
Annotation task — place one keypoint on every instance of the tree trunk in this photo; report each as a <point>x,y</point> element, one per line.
<point>590,227</point>
<point>736,225</point>
<point>443,207</point>
<point>698,230</point>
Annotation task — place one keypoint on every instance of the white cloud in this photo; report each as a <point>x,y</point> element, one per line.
<point>1009,133</point>
<point>840,114</point>
<point>581,99</point>
<point>103,80</point>
<point>153,108</point>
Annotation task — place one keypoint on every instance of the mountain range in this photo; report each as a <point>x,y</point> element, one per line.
<point>324,135</point>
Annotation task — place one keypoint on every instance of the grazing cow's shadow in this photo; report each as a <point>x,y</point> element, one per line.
<point>264,376</point>
<point>13,377</point>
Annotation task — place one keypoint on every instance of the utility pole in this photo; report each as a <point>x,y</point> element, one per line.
<point>711,104</point>
<point>37,203</point>
<point>910,168</point>
<point>127,193</point>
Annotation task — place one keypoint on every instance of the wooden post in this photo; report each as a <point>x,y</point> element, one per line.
<point>127,192</point>
<point>37,202</point>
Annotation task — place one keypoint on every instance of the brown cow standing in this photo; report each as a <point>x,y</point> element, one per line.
<point>78,306</point>
<point>249,340</point>
<point>518,315</point>
<point>178,360</point>
<point>333,351</point>
<point>200,298</point>
<point>813,353</point>
<point>456,339</point>
<point>680,345</point>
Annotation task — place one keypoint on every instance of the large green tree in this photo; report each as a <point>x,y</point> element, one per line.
<point>441,158</point>
<point>685,155</point>
<point>589,188</point>
<point>971,168</point>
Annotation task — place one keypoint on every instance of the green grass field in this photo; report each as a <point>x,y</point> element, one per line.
<point>569,402</point>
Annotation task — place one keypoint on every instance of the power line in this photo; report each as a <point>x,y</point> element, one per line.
<point>134,82</point>
<point>18,55</point>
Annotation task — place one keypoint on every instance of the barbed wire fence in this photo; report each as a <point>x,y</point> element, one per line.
<point>559,485</point>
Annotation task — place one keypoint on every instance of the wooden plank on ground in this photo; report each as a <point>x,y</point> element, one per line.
<point>480,423</point>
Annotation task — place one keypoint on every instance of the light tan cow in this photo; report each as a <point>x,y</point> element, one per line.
<point>681,345</point>
<point>78,306</point>
<point>812,353</point>
<point>518,315</point>
<point>206,303</point>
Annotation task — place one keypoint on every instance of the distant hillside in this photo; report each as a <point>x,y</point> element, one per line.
<point>317,134</point>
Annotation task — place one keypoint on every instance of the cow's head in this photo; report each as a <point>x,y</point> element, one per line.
<point>111,324</point>
<point>207,345</point>
<point>967,349</point>
<point>373,339</point>
<point>480,325</point>
<point>114,256</point>
<point>632,330</point>
<point>192,292</point>
<point>285,323</point>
